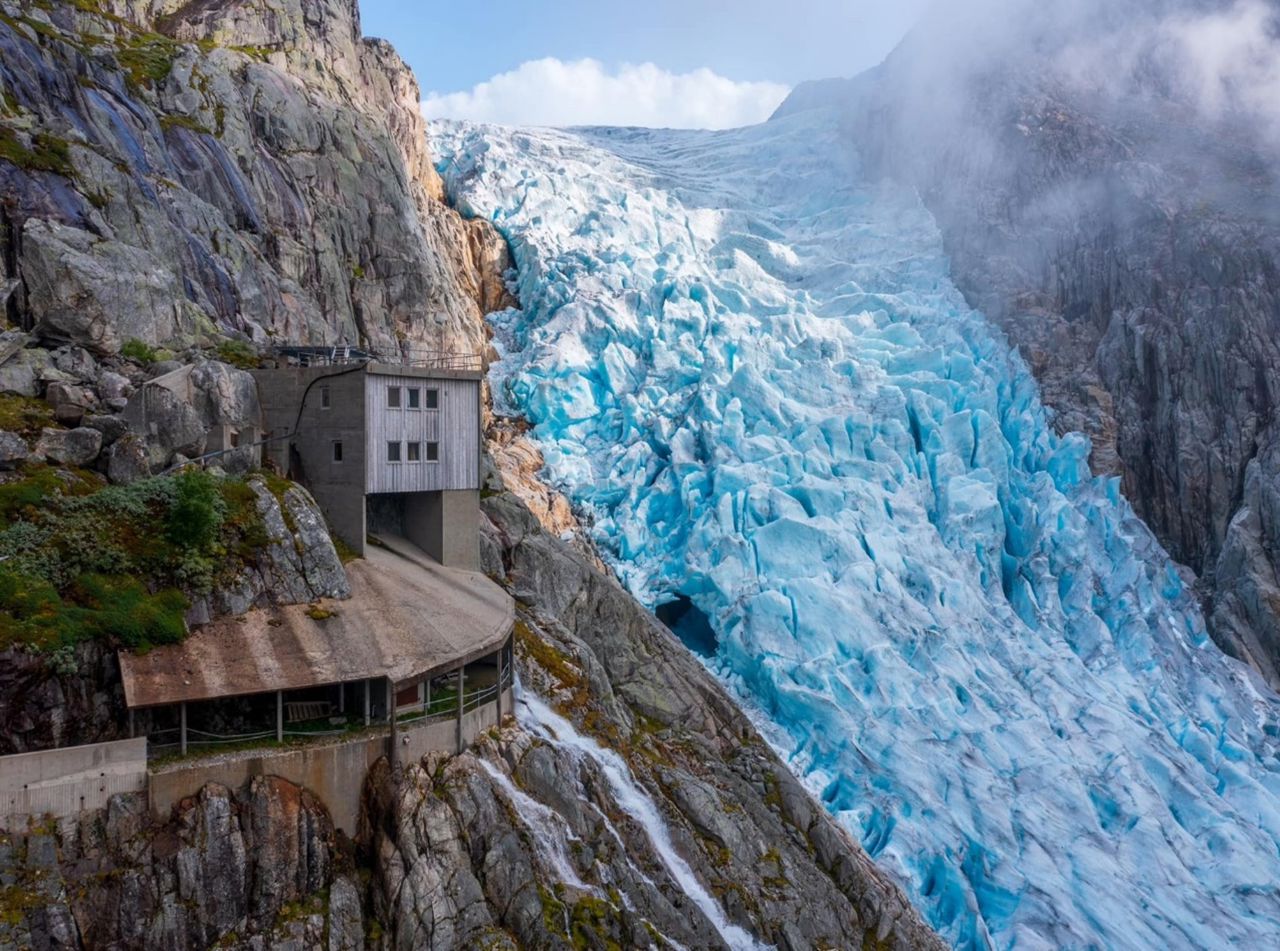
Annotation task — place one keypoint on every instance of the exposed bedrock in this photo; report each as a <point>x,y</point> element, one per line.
<point>184,170</point>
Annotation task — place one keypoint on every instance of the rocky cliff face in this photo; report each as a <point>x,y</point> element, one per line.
<point>177,171</point>
<point>254,869</point>
<point>1127,240</point>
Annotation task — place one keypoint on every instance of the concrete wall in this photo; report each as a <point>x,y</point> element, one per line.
<point>441,735</point>
<point>445,525</point>
<point>334,772</point>
<point>338,487</point>
<point>70,780</point>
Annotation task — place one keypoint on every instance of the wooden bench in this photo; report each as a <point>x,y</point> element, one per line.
<point>307,710</point>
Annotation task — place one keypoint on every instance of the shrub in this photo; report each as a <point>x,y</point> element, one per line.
<point>138,350</point>
<point>197,512</point>
<point>238,353</point>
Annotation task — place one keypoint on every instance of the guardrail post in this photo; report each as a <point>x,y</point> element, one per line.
<point>501,653</point>
<point>392,703</point>
<point>462,684</point>
<point>182,715</point>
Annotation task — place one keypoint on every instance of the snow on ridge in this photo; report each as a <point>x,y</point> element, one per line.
<point>752,369</point>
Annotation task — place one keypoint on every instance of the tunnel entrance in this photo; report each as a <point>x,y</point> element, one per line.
<point>686,621</point>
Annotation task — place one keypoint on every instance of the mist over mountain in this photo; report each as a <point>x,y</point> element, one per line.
<point>1105,180</point>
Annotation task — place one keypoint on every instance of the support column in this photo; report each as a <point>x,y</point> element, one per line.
<point>131,731</point>
<point>426,696</point>
<point>342,698</point>
<point>391,706</point>
<point>366,701</point>
<point>182,730</point>
<point>279,716</point>
<point>499,655</point>
<point>462,686</point>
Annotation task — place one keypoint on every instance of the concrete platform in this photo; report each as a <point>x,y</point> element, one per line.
<point>407,616</point>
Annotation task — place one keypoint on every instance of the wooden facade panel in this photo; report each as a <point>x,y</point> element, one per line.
<point>454,426</point>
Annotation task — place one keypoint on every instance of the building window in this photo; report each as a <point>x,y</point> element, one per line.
<point>433,452</point>
<point>393,452</point>
<point>393,397</point>
<point>433,399</point>
<point>415,452</point>
<point>235,439</point>
<point>415,398</point>
<point>324,397</point>
<point>337,451</point>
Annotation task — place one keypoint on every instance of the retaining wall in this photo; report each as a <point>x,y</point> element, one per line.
<point>70,780</point>
<point>334,772</point>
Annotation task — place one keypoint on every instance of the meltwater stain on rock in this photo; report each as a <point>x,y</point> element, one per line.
<point>687,621</point>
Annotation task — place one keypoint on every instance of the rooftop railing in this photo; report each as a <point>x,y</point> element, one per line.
<point>308,356</point>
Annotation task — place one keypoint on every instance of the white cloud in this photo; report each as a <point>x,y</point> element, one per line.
<point>583,92</point>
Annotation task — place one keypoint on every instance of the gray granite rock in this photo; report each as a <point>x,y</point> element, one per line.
<point>13,450</point>
<point>128,460</point>
<point>69,447</point>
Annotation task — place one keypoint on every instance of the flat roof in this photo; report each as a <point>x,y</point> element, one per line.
<point>407,616</point>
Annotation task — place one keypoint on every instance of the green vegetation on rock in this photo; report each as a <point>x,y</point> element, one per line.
<point>139,350</point>
<point>74,549</point>
<point>45,153</point>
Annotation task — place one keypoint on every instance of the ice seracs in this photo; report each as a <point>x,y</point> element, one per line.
<point>749,366</point>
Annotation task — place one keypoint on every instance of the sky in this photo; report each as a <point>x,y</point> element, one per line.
<point>690,63</point>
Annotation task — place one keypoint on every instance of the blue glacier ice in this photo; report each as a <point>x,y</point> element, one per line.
<point>749,367</point>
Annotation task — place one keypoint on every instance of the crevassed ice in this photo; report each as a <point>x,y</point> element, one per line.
<point>749,366</point>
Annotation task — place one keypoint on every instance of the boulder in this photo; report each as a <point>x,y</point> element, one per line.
<point>111,427</point>
<point>224,395</point>
<point>21,372</point>
<point>70,447</point>
<point>169,423</point>
<point>77,362</point>
<point>69,402</point>
<point>13,450</point>
<point>128,459</point>
<point>112,386</point>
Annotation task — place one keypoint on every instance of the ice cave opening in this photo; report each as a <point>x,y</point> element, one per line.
<point>689,623</point>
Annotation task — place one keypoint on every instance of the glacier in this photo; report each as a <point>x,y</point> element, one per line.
<point>747,366</point>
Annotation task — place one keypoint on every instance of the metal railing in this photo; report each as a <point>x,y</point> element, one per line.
<point>421,357</point>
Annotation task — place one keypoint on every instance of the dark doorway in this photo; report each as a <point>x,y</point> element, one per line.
<point>686,621</point>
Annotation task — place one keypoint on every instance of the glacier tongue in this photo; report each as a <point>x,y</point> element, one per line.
<point>750,368</point>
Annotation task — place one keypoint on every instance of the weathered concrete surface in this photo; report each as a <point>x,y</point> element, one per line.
<point>403,619</point>
<point>68,781</point>
<point>332,772</point>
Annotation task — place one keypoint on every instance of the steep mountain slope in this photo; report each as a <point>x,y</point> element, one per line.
<point>1105,179</point>
<point>172,173</point>
<point>178,171</point>
<point>748,365</point>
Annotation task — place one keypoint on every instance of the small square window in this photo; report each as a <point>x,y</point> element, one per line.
<point>324,397</point>
<point>433,399</point>
<point>433,452</point>
<point>337,451</point>
<point>235,439</point>
<point>415,451</point>
<point>415,397</point>
<point>393,452</point>
<point>393,397</point>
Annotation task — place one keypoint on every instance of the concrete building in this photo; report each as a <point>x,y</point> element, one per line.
<point>384,448</point>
